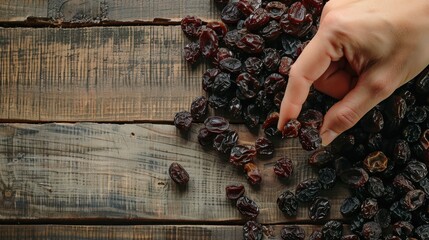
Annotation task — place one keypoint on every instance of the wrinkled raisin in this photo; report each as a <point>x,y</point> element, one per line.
<point>234,192</point>
<point>288,203</point>
<point>283,167</point>
<point>183,120</point>
<point>308,190</point>
<point>178,174</point>
<point>292,232</point>
<point>264,146</point>
<point>247,207</point>
<point>319,209</point>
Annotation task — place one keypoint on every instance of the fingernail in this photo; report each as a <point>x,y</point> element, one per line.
<point>327,137</point>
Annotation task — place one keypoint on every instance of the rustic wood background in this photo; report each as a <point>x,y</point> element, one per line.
<point>88,91</point>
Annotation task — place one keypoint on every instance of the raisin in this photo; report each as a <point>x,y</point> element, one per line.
<point>274,83</point>
<point>354,177</point>
<point>283,167</point>
<point>413,200</point>
<point>241,155</point>
<point>251,43</point>
<point>415,171</point>
<point>402,184</point>
<point>178,174</point>
<point>247,207</point>
<point>222,53</point>
<point>357,224</point>
<point>296,22</point>
<point>399,213</point>
<point>217,102</point>
<point>416,115</point>
<point>275,9</point>
<point>219,27</point>
<point>191,26</point>
<point>311,118</point>
<point>320,157</point>
<point>230,13</point>
<point>199,108</point>
<point>411,133</point>
<point>253,65</point>
<point>271,59</point>
<point>257,20</point>
<point>247,86</point>
<point>209,77</point>
<point>403,229</point>
<point>264,146</point>
<point>401,152</point>
<point>376,162</point>
<point>308,190</point>
<point>271,31</point>
<point>252,173</point>
<point>230,65</point>
<point>291,129</point>
<point>209,43</point>
<point>183,120</point>
<point>222,84</point>
<point>245,7</point>
<point>234,192</point>
<point>309,138</point>
<point>192,52</point>
<point>369,208</point>
<point>343,143</point>
<point>422,232</point>
<point>316,235</point>
<point>375,187</point>
<point>383,218</point>
<point>285,65</point>
<point>225,141</point>
<point>373,121</point>
<point>205,137</point>
<point>319,209</point>
<point>271,120</point>
<point>292,233</point>
<point>288,203</point>
<point>290,45</point>
<point>252,231</point>
<point>371,231</point>
<point>327,178</point>
<point>235,108</point>
<point>216,124</point>
<point>350,206</point>
<point>251,117</point>
<point>332,230</point>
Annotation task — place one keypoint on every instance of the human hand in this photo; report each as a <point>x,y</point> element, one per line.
<point>363,51</point>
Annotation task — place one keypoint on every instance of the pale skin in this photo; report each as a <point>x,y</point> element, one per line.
<point>363,51</point>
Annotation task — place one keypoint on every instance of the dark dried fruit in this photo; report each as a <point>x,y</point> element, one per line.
<point>209,78</point>
<point>375,187</point>
<point>209,43</point>
<point>192,52</point>
<point>251,117</point>
<point>291,129</point>
<point>417,114</point>
<point>311,118</point>
<point>178,174</point>
<point>274,83</point>
<point>415,171</point>
<point>219,27</point>
<point>373,121</point>
<point>422,232</point>
<point>230,65</point>
<point>285,65</point>
<point>383,218</point>
<point>412,133</point>
<point>222,84</point>
<point>288,203</point>
<point>283,167</point>
<point>369,208</point>
<point>327,178</point>
<point>252,173</point>
<point>245,7</point>
<point>241,155</point>
<point>183,120</point>
<point>271,59</point>
<point>399,213</point>
<point>217,102</point>
<point>230,13</point>
<point>222,54</point>
<point>252,231</point>
<point>308,190</point>
<point>275,9</point>
<point>371,231</point>
<point>271,31</point>
<point>251,43</point>
<point>247,86</point>
<point>332,230</point>
<point>401,152</point>
<point>191,26</point>
<point>257,20</point>
<point>320,157</point>
<point>296,22</point>
<point>357,224</point>
<point>234,192</point>
<point>264,146</point>
<point>216,124</point>
<point>413,200</point>
<point>292,233</point>
<point>199,108</point>
<point>402,184</point>
<point>402,229</point>
<point>354,177</point>
<point>225,141</point>
<point>319,209</point>
<point>247,207</point>
<point>235,108</point>
<point>205,138</point>
<point>350,206</point>
<point>309,138</point>
<point>253,65</point>
<point>316,235</point>
<point>376,162</point>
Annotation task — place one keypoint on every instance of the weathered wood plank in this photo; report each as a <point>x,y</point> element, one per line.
<point>171,232</point>
<point>108,171</point>
<point>95,11</point>
<point>95,74</point>
<point>19,10</point>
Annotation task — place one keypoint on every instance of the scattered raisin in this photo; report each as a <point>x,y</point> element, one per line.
<point>178,174</point>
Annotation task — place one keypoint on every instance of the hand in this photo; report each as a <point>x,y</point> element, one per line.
<point>363,51</point>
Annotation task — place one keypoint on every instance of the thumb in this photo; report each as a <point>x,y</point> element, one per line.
<point>371,89</point>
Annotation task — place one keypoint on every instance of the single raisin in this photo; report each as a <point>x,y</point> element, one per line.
<point>253,65</point>
<point>230,13</point>
<point>230,65</point>
<point>183,120</point>
<point>271,59</point>
<point>191,26</point>
<point>209,78</point>
<point>252,173</point>
<point>209,43</point>
<point>291,129</point>
<point>411,133</point>
<point>234,192</point>
<point>271,31</point>
<point>205,137</point>
<point>216,124</point>
<point>252,231</point>
<point>403,229</point>
<point>373,121</point>
<point>413,200</point>
<point>199,108</point>
<point>247,207</point>
<point>283,167</point>
<point>241,155</point>
<point>354,177</point>
<point>292,233</point>
<point>320,158</point>
<point>383,218</point>
<point>327,178</point>
<point>309,138</point>
<point>251,43</point>
<point>375,187</point>
<point>275,9</point>
<point>376,162</point>
<point>371,231</point>
<point>219,27</point>
<point>192,52</point>
<point>247,86</point>
<point>316,235</point>
<point>350,206</point>
<point>319,209</point>
<point>415,171</point>
<point>225,141</point>
<point>311,118</point>
<point>178,174</point>
<point>369,208</point>
<point>285,65</point>
<point>257,20</point>
<point>308,190</point>
<point>235,108</point>
<point>288,203</point>
<point>332,230</point>
<point>264,146</point>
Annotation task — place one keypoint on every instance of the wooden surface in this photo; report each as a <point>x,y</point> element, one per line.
<point>96,11</point>
<point>95,74</point>
<point>170,232</point>
<point>111,62</point>
<point>78,171</point>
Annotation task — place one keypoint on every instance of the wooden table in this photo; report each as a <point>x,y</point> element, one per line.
<point>88,91</point>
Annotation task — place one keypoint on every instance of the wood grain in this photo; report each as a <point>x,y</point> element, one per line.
<point>95,74</point>
<point>20,10</point>
<point>96,11</point>
<point>171,232</point>
<point>112,171</point>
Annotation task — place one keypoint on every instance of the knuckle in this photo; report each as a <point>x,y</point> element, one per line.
<point>295,75</point>
<point>379,88</point>
<point>335,20</point>
<point>347,117</point>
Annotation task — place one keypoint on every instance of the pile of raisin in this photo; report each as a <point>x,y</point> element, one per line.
<point>383,159</point>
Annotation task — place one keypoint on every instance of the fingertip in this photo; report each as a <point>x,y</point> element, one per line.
<point>328,136</point>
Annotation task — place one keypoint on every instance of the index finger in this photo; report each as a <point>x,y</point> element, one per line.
<point>310,65</point>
